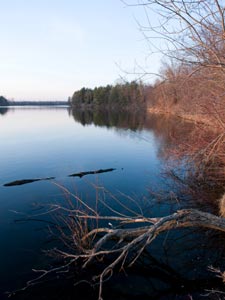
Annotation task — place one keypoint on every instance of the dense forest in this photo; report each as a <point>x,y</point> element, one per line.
<point>126,96</point>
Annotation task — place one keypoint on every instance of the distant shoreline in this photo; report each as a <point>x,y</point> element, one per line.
<point>10,103</point>
<point>34,103</point>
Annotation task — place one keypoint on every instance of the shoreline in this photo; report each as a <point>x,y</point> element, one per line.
<point>197,119</point>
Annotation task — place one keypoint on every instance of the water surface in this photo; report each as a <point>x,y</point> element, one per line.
<point>56,142</point>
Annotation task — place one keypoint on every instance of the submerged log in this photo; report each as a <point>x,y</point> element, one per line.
<point>81,174</point>
<point>26,181</point>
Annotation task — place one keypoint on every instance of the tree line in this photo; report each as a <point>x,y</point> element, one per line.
<point>5,102</point>
<point>127,95</point>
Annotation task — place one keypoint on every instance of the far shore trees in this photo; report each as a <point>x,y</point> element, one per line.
<point>3,101</point>
<point>128,96</point>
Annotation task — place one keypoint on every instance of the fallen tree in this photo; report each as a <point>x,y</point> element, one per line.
<point>120,244</point>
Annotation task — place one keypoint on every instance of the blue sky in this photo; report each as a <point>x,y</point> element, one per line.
<point>50,48</point>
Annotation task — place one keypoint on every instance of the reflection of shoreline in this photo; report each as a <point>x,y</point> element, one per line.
<point>177,136</point>
<point>178,139</point>
<point>3,110</point>
<point>121,119</point>
<point>166,128</point>
<point>6,109</point>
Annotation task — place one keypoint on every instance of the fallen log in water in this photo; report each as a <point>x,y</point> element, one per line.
<point>81,174</point>
<point>26,181</point>
<point>122,246</point>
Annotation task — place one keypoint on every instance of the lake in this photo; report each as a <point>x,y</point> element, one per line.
<point>39,143</point>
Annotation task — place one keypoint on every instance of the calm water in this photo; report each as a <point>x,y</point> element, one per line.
<point>57,142</point>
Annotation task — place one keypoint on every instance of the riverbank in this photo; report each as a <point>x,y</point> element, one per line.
<point>196,118</point>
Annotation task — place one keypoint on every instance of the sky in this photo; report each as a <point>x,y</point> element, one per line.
<point>50,48</point>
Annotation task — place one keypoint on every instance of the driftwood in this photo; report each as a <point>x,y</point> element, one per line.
<point>26,181</point>
<point>136,240</point>
<point>81,174</point>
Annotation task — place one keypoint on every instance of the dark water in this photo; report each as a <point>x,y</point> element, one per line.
<point>56,142</point>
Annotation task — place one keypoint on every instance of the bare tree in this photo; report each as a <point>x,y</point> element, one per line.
<point>191,37</point>
<point>193,32</point>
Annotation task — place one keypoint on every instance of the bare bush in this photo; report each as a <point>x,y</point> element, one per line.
<point>191,37</point>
